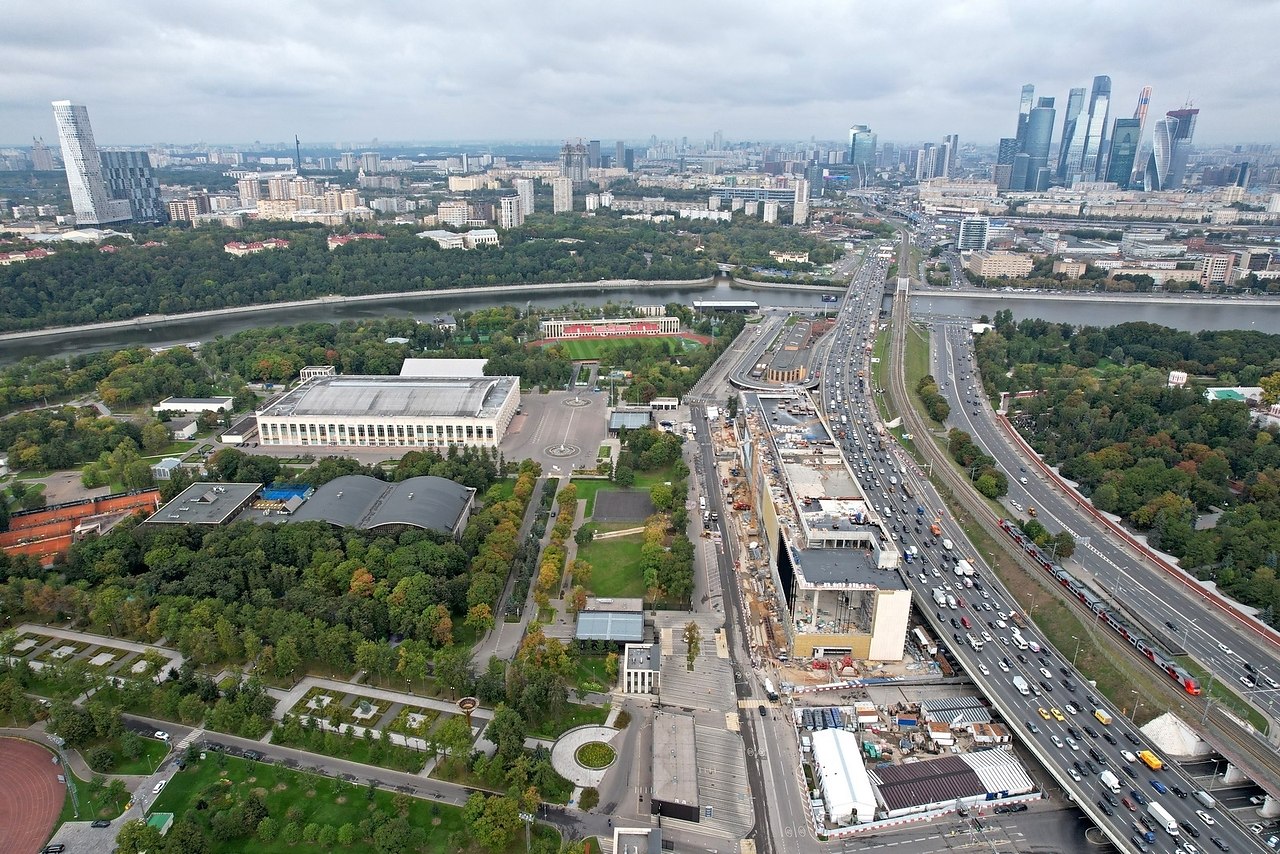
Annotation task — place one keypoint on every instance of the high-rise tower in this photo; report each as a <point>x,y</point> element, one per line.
<point>1071,142</point>
<point>1170,147</point>
<point>41,157</point>
<point>1037,143</point>
<point>84,168</point>
<point>573,162</point>
<point>1093,158</point>
<point>862,153</point>
<point>1140,157</point>
<point>1024,113</point>
<point>1125,135</point>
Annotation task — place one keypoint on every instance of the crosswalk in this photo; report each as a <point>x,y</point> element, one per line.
<point>192,737</point>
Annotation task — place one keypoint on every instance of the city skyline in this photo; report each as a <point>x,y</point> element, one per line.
<point>334,74</point>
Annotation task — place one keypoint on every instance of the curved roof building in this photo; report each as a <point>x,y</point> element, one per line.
<point>366,503</point>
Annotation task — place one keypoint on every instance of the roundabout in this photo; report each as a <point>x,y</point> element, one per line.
<point>584,755</point>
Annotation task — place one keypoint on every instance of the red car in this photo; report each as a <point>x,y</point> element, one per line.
<point>1128,804</point>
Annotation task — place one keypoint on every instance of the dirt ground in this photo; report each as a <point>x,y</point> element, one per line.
<point>66,486</point>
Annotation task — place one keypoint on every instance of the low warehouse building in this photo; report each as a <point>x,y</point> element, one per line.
<point>968,779</point>
<point>842,778</point>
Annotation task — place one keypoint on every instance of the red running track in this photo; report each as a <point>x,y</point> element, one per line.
<point>30,795</point>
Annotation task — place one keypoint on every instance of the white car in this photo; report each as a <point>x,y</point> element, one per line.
<point>1001,624</point>
<point>1072,743</point>
<point>1075,775</point>
<point>159,787</point>
<point>162,735</point>
<point>1044,671</point>
<point>1206,818</point>
<point>983,669</point>
<point>1057,742</point>
<point>1004,667</point>
<point>986,637</point>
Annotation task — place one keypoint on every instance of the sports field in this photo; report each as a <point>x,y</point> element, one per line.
<point>592,349</point>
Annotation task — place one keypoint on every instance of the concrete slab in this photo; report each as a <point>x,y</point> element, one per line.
<point>618,505</point>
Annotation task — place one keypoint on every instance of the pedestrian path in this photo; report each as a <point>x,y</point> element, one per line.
<point>192,737</point>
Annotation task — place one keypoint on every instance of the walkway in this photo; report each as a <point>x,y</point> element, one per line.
<point>564,755</point>
<point>289,699</point>
<point>504,638</point>
<point>176,658</point>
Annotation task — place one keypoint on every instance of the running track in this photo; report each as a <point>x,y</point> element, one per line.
<point>30,795</point>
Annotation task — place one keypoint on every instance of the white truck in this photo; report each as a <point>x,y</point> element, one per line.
<point>1110,780</point>
<point>946,544</point>
<point>1021,685</point>
<point>1161,816</point>
<point>964,568</point>
<point>939,597</point>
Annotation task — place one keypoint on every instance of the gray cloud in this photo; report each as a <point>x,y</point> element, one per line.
<point>239,71</point>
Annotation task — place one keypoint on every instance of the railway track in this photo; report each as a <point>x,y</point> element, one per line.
<point>1220,728</point>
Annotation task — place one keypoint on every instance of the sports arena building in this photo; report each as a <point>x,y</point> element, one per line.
<point>610,328</point>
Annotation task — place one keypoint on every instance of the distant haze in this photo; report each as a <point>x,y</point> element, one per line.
<point>154,71</point>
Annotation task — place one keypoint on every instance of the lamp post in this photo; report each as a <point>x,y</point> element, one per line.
<point>1137,703</point>
<point>1077,652</point>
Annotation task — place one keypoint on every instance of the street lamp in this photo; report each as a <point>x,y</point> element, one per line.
<point>1077,652</point>
<point>1137,703</point>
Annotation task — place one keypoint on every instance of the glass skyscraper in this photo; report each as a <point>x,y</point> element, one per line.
<point>89,196</point>
<point>1093,158</point>
<point>1039,138</point>
<point>1125,136</point>
<point>1071,143</point>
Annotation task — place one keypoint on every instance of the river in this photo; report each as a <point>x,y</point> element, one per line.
<point>1193,316</point>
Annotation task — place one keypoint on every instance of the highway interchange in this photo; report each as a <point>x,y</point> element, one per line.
<point>875,460</point>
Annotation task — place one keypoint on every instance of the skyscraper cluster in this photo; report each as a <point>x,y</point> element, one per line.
<point>1093,146</point>
<point>106,187</point>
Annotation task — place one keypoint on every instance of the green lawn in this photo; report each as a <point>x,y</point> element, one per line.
<point>615,566</point>
<point>917,356</point>
<point>355,750</point>
<point>879,369</point>
<point>174,449</point>
<point>1224,694</point>
<point>587,490</point>
<point>223,780</point>
<point>575,715</point>
<point>646,479</point>
<point>153,750</point>
<point>502,490</point>
<point>32,474</point>
<point>590,668</point>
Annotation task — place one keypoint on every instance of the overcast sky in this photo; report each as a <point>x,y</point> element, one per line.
<point>233,71</point>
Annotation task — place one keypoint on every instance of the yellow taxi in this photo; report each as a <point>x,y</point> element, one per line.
<point>1043,713</point>
<point>1057,715</point>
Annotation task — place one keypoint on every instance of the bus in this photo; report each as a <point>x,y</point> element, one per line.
<point>923,640</point>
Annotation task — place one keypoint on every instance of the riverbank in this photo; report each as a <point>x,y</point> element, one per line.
<point>151,321</point>
<point>1088,296</point>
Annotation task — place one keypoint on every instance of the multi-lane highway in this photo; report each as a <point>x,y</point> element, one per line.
<point>1076,746</point>
<point>1175,613</point>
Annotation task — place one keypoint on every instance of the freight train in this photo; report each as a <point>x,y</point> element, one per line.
<point>1100,608</point>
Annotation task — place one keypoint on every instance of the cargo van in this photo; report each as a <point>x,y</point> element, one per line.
<point>1206,799</point>
<point>1102,716</point>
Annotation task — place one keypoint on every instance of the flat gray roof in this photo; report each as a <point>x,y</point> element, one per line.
<point>853,567</point>
<point>392,397</point>
<point>631,419</point>
<point>643,657</point>
<point>206,504</point>
<point>623,627</point>
<point>363,502</point>
<point>675,761</point>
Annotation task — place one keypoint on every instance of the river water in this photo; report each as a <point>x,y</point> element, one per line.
<point>1191,317</point>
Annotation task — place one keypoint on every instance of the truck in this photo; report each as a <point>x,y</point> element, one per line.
<point>768,690</point>
<point>1102,716</point>
<point>1144,832</point>
<point>1150,760</point>
<point>939,597</point>
<point>946,544</point>
<point>1021,685</point>
<point>1161,816</point>
<point>1206,799</point>
<point>974,642</point>
<point>1110,780</point>
<point>964,568</point>
<point>951,602</point>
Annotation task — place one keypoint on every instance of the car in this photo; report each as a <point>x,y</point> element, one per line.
<point>1128,805</point>
<point>1228,650</point>
<point>1093,733</point>
<point>1044,714</point>
<point>1111,799</point>
<point>1248,682</point>
<point>1106,808</point>
<point>55,848</point>
<point>1137,843</point>
<point>1057,715</point>
<point>1057,742</point>
<point>1111,739</point>
<point>1171,624</point>
<point>1205,817</point>
<point>1010,808</point>
<point>1256,829</point>
<point>1190,828</point>
<point>1219,844</point>
<point>1003,665</point>
<point>1138,797</point>
<point>764,712</point>
<point>1069,685</point>
<point>102,822</point>
<point>1160,787</point>
<point>1045,672</point>
<point>1093,769</point>
<point>162,735</point>
<point>1072,709</point>
<point>983,669</point>
<point>1031,727</point>
<point>1179,792</point>
<point>1133,739</point>
<point>1129,771</point>
<point>1072,743</point>
<point>1073,732</point>
<point>1075,775</point>
<point>1046,686</point>
<point>158,788</point>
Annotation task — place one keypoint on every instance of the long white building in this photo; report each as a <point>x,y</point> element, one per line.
<point>386,411</point>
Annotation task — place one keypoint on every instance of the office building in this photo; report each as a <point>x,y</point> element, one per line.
<point>370,162</point>
<point>573,162</point>
<point>973,233</point>
<point>1125,134</point>
<point>620,155</point>
<point>83,164</point>
<point>512,212</point>
<point>1093,157</point>
<point>987,263</point>
<point>41,156</point>
<point>128,177</point>
<point>524,189</point>
<point>813,173</point>
<point>1037,143</point>
<point>1170,147</point>
<point>800,204</point>
<point>1025,103</point>
<point>1005,154</point>
<point>1243,170</point>
<point>862,154</point>
<point>1070,141</point>
<point>562,195</point>
<point>593,154</point>
<point>1140,157</point>
<point>390,411</point>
